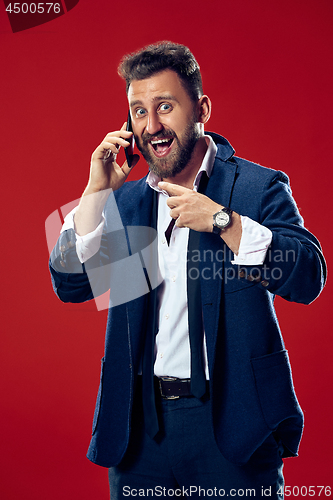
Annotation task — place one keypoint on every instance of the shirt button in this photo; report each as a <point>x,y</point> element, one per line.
<point>167,316</point>
<point>161,355</point>
<point>62,263</point>
<point>173,278</point>
<point>163,241</point>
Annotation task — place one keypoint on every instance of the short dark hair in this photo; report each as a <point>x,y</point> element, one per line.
<point>158,57</point>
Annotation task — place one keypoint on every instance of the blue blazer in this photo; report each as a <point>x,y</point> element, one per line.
<point>250,377</point>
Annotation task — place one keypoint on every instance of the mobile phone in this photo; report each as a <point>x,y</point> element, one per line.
<point>130,149</point>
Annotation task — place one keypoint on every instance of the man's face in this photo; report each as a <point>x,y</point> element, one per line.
<point>164,122</point>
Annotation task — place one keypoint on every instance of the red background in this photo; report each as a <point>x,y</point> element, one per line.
<point>267,67</point>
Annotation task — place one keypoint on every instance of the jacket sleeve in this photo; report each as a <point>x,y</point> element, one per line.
<point>76,282</point>
<point>294,267</point>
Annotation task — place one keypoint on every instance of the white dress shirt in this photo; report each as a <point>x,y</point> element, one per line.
<point>172,348</point>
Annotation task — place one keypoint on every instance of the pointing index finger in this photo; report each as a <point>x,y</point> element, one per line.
<point>172,189</point>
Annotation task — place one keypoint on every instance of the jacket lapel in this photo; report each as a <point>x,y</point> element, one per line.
<point>213,250</point>
<point>141,235</point>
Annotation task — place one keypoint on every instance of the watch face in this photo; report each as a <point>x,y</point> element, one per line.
<point>222,219</point>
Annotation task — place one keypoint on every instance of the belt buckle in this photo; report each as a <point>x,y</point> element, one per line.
<point>166,379</point>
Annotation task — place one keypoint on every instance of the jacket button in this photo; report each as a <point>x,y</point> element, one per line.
<point>241,273</point>
<point>250,277</point>
<point>70,244</point>
<point>62,263</point>
<point>265,283</point>
<point>62,248</point>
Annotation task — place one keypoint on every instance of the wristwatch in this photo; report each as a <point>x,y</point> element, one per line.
<point>222,219</point>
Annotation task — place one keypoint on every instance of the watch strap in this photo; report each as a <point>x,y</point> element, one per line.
<point>227,210</point>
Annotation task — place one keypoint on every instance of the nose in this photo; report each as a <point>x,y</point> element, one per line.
<point>153,123</point>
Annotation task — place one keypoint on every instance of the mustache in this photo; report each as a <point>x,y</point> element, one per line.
<point>146,137</point>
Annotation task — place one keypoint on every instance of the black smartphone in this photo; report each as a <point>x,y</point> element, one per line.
<point>130,149</point>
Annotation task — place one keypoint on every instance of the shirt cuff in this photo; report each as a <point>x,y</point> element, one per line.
<point>87,245</point>
<point>254,243</point>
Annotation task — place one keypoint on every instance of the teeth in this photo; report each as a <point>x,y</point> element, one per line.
<point>160,141</point>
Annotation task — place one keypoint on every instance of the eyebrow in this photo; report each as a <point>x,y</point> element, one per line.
<point>165,97</point>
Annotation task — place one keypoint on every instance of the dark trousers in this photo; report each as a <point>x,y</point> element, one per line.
<point>184,460</point>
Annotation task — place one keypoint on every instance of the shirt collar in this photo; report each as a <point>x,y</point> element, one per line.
<point>206,166</point>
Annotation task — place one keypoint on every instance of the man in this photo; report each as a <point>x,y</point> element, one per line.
<point>196,395</point>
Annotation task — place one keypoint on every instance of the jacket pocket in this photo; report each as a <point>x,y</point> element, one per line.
<point>272,374</point>
<point>99,398</point>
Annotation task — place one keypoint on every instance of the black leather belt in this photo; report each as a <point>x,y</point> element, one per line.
<point>173,388</point>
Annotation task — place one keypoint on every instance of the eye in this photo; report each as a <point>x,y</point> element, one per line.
<point>165,107</point>
<point>140,112</point>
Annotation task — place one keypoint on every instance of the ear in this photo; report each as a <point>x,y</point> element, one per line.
<point>204,109</point>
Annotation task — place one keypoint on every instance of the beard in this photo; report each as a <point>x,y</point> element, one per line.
<point>176,160</point>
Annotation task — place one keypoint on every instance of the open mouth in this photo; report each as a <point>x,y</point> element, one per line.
<point>161,147</point>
